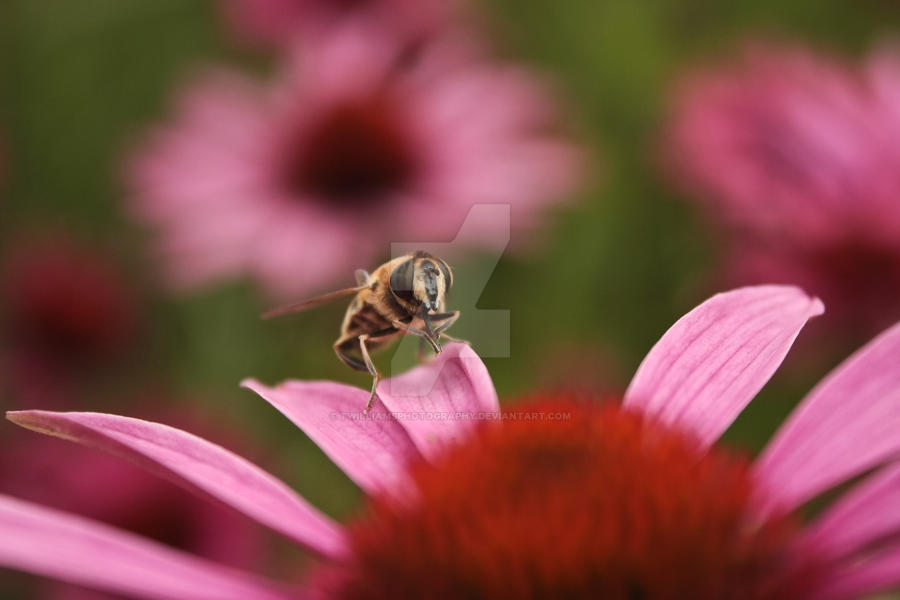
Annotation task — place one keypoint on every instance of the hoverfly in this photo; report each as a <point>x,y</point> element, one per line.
<point>403,296</point>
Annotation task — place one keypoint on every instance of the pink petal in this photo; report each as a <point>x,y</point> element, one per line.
<point>880,573</point>
<point>197,464</point>
<point>437,403</point>
<point>712,362</point>
<point>848,423</point>
<point>63,546</point>
<point>870,512</point>
<point>372,449</point>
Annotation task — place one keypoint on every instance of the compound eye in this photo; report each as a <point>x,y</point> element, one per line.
<point>445,271</point>
<point>402,280</point>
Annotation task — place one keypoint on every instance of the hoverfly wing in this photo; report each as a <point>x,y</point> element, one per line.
<point>312,302</point>
<point>362,277</point>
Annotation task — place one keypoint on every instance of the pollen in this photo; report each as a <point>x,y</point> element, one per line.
<point>580,500</point>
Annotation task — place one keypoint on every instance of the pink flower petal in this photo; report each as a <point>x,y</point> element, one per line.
<point>848,423</point>
<point>198,464</point>
<point>712,362</point>
<point>372,449</point>
<point>880,573</point>
<point>439,402</point>
<point>456,120</point>
<point>56,544</point>
<point>870,512</point>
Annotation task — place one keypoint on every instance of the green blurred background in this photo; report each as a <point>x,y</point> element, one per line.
<point>80,80</point>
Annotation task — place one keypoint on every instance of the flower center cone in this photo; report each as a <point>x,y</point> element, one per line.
<point>605,504</point>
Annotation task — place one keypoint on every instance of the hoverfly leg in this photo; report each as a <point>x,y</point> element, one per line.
<point>376,376</point>
<point>432,334</point>
<point>449,319</point>
<point>444,316</point>
<point>404,327</point>
<point>427,320</point>
<point>429,330</point>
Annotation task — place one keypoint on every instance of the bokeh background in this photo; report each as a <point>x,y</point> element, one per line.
<point>610,269</point>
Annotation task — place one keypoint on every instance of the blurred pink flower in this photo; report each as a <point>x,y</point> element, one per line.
<point>282,21</point>
<point>688,390</point>
<point>796,155</point>
<point>64,308</point>
<point>112,491</point>
<point>357,145</point>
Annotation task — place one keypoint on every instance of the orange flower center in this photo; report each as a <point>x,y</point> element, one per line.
<point>603,504</point>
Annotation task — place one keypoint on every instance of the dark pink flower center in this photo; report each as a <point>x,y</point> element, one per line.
<point>602,505</point>
<point>868,271</point>
<point>357,152</point>
<point>348,4</point>
<point>63,302</point>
